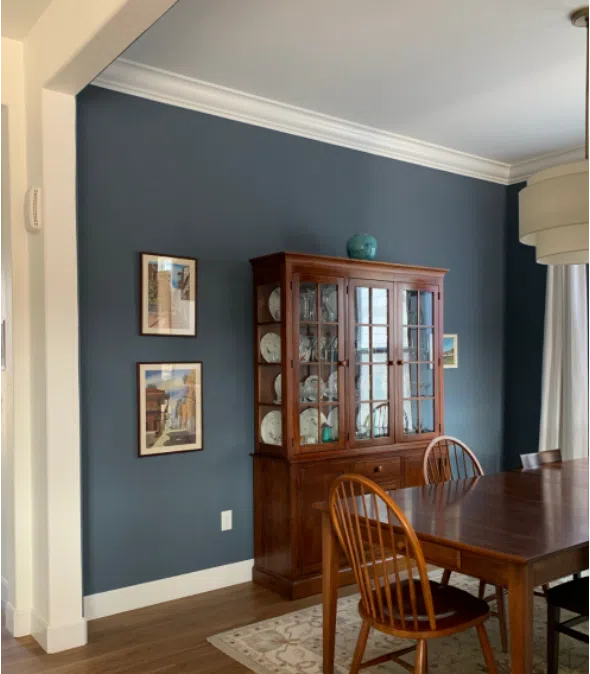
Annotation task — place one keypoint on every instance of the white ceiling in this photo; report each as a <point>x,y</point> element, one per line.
<point>19,16</point>
<point>501,79</point>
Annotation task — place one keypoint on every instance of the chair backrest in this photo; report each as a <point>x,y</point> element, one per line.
<point>538,459</point>
<point>376,536</point>
<point>447,458</point>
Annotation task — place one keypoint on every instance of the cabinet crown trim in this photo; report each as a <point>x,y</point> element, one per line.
<point>360,264</point>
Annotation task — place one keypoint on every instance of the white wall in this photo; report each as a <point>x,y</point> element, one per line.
<point>6,428</point>
<point>67,47</point>
<point>16,455</point>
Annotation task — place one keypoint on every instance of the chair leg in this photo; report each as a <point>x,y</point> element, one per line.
<point>360,647</point>
<point>421,666</point>
<point>446,577</point>
<point>552,639</point>
<point>482,589</point>
<point>502,617</point>
<point>486,648</point>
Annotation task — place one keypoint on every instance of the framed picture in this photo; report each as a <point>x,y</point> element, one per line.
<point>168,295</point>
<point>450,351</point>
<point>170,407</point>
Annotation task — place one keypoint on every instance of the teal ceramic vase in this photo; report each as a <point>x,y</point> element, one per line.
<point>362,247</point>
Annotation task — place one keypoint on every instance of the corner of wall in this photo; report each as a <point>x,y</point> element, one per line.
<point>524,314</point>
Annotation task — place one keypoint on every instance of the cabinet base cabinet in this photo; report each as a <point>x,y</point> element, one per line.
<point>301,587</point>
<point>288,543</point>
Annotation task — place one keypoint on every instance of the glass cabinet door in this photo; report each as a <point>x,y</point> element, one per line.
<point>419,362</point>
<point>319,361</point>
<point>371,361</point>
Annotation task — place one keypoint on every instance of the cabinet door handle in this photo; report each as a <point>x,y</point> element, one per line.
<point>342,363</point>
<point>391,362</point>
<point>399,362</point>
<point>378,469</point>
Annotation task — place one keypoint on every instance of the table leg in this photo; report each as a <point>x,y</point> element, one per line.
<point>520,604</point>
<point>330,563</point>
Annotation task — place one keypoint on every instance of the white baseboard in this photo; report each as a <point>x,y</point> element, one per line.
<point>57,639</point>
<point>18,621</point>
<point>133,597</point>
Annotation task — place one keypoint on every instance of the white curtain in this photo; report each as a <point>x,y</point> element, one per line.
<point>564,409</point>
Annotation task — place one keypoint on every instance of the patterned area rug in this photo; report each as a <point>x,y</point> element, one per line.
<point>292,644</point>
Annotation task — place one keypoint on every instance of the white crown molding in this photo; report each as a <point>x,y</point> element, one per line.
<point>137,79</point>
<point>159,85</point>
<point>522,170</point>
<point>133,597</point>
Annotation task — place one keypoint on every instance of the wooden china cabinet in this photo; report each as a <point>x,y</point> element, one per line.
<point>349,378</point>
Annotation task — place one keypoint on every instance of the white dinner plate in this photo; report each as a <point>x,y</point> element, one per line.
<point>274,304</point>
<point>309,425</point>
<point>270,347</point>
<point>277,388</point>
<point>271,428</point>
<point>310,388</point>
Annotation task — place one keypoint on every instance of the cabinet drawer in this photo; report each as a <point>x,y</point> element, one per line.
<point>382,471</point>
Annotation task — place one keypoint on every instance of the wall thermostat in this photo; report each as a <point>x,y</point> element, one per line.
<point>33,210</point>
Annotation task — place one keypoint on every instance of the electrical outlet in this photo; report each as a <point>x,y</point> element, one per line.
<point>226,523</point>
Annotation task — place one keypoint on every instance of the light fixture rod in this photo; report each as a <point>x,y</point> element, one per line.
<point>579,18</point>
<point>588,86</point>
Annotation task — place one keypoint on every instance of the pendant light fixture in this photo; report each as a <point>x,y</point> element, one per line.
<point>553,207</point>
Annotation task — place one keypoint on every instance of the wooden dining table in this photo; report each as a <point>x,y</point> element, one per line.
<point>516,529</point>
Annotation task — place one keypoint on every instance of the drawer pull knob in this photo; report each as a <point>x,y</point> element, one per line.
<point>342,363</point>
<point>378,469</point>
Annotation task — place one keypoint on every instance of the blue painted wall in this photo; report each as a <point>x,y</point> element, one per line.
<point>158,178</point>
<point>523,355</point>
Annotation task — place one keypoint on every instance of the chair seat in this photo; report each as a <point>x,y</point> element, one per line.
<point>572,596</point>
<point>452,607</point>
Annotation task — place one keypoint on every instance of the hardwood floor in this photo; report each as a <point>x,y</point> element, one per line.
<point>167,637</point>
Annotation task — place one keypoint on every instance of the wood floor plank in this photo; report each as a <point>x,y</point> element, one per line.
<point>170,637</point>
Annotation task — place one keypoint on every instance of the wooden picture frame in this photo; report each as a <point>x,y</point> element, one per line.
<point>450,351</point>
<point>168,295</point>
<point>170,408</point>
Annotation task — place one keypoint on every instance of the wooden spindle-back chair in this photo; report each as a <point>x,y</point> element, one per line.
<point>397,597</point>
<point>573,597</point>
<point>538,459</point>
<point>448,459</point>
